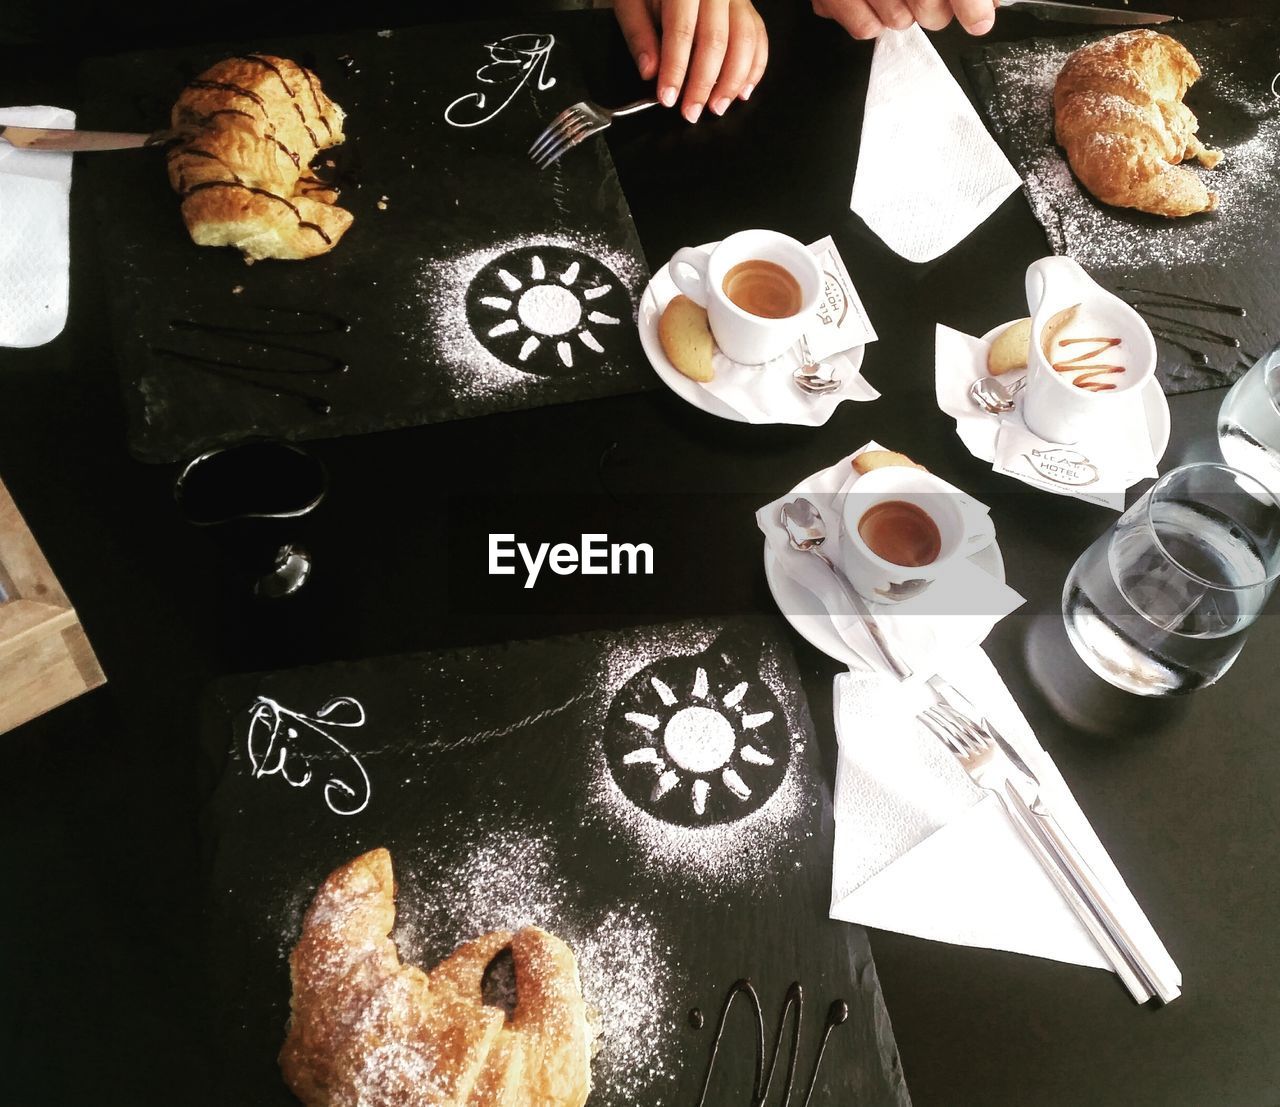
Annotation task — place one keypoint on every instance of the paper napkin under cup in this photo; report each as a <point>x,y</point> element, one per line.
<point>35,191</point>
<point>958,610</point>
<point>928,172</point>
<point>921,850</point>
<point>1098,469</point>
<point>767,394</point>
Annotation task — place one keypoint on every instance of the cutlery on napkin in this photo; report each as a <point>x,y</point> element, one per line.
<point>35,190</point>
<point>959,610</point>
<point>920,850</point>
<point>928,172</point>
<point>1118,457</point>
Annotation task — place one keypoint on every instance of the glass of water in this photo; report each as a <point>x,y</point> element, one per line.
<point>1161,603</point>
<point>1249,422</point>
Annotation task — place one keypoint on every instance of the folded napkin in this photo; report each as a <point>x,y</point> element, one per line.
<point>1099,469</point>
<point>958,610</point>
<point>921,850</point>
<point>928,171</point>
<point>35,190</point>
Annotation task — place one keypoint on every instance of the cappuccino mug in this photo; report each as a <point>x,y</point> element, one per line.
<point>891,512</point>
<point>760,289</point>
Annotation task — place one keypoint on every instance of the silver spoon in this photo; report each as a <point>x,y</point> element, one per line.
<point>814,376</point>
<point>994,396</point>
<point>807,532</point>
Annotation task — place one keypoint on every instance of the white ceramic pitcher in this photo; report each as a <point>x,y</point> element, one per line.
<point>1052,406</point>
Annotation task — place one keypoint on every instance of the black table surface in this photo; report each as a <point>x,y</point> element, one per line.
<point>100,938</point>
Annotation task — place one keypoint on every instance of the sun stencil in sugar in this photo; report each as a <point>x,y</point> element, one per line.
<point>697,741</point>
<point>547,309</point>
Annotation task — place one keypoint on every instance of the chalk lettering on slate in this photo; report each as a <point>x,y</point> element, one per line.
<point>278,738</point>
<point>512,61</point>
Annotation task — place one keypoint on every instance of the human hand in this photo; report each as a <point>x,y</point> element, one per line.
<point>867,18</point>
<point>715,49</point>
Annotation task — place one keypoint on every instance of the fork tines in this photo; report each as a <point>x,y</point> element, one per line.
<point>565,131</point>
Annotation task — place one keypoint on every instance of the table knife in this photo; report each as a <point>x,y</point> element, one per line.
<point>53,138</point>
<point>1080,13</point>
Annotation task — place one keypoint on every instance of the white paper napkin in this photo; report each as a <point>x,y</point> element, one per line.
<point>959,610</point>
<point>35,190</point>
<point>1098,469</point>
<point>921,850</point>
<point>928,171</point>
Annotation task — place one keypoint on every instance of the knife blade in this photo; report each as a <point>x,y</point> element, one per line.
<point>1079,13</point>
<point>52,138</point>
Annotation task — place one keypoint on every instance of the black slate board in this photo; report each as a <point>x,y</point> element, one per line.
<point>496,778</point>
<point>455,197</point>
<point>1231,256</point>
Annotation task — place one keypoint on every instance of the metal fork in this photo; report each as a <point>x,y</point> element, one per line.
<point>578,122</point>
<point>995,766</point>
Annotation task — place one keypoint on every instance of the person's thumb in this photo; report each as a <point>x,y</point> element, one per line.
<point>642,36</point>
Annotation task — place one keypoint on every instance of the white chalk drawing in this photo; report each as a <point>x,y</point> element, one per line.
<point>1275,86</point>
<point>279,738</point>
<point>537,308</point>
<point>512,62</point>
<point>690,747</point>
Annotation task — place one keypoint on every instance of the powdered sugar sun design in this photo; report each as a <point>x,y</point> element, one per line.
<point>697,744</point>
<point>546,309</point>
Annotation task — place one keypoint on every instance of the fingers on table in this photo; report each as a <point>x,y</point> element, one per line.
<point>711,43</point>
<point>759,62</point>
<point>679,26</point>
<point>745,28</point>
<point>636,21</point>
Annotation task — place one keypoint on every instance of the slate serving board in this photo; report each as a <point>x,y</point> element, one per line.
<point>500,782</point>
<point>1231,256</point>
<point>437,202</point>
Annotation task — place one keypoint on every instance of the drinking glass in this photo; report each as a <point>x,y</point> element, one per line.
<point>1160,604</point>
<point>1249,422</point>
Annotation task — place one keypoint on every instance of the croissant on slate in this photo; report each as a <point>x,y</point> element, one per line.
<point>1118,113</point>
<point>369,1031</point>
<point>250,127</point>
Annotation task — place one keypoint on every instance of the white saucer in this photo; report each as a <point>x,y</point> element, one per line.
<point>1155,405</point>
<point>657,295</point>
<point>807,615</point>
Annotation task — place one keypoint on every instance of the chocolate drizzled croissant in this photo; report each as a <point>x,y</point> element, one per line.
<point>252,125</point>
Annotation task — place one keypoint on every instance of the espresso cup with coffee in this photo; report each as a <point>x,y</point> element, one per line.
<point>760,289</point>
<point>902,528</point>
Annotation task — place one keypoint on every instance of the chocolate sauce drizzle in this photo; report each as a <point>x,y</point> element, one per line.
<point>837,1014</point>
<point>1191,301</point>
<point>265,339</point>
<point>239,90</point>
<point>269,65</point>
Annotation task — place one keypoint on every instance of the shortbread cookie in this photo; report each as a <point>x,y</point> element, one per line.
<point>686,339</point>
<point>1009,350</point>
<point>882,459</point>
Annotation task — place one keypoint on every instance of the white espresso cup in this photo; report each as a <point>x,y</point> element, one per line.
<point>961,533</point>
<point>743,337</point>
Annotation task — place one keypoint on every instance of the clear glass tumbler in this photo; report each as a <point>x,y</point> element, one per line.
<point>1249,422</point>
<point>1160,604</point>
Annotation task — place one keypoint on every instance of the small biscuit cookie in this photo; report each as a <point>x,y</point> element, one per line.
<point>686,338</point>
<point>1009,350</point>
<point>882,459</point>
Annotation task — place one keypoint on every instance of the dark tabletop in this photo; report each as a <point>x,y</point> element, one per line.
<point>100,942</point>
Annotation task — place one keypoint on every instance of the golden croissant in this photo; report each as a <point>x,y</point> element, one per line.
<point>251,126</point>
<point>1118,113</point>
<point>367,1030</point>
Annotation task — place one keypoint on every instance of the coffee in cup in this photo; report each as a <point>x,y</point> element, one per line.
<point>901,532</point>
<point>763,288</point>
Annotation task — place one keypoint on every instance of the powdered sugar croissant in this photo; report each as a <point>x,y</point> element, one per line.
<point>369,1031</point>
<point>1118,113</point>
<point>251,127</point>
